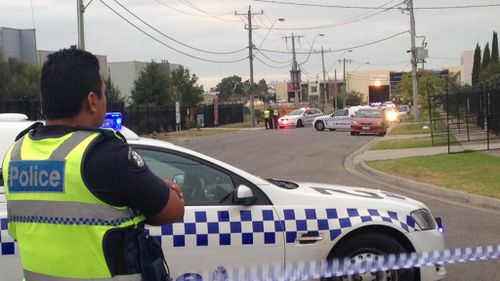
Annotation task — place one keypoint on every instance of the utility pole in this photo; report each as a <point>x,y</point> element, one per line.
<point>324,88</point>
<point>80,8</point>
<point>416,111</point>
<point>335,106</point>
<point>344,60</point>
<point>249,14</point>
<point>295,72</point>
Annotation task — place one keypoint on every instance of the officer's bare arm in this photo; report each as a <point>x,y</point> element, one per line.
<point>173,211</point>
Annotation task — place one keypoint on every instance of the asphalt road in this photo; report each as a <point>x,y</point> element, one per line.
<point>307,155</point>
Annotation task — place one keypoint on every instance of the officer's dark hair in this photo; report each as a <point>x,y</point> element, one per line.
<point>68,76</point>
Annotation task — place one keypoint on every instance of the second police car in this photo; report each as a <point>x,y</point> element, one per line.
<point>299,117</point>
<point>234,219</point>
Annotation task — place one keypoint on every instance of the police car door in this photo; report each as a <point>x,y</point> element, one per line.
<point>344,121</point>
<point>335,120</point>
<point>216,234</point>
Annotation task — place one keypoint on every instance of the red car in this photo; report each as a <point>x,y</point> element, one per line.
<point>369,121</point>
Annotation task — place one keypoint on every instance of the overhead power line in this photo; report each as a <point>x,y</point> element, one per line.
<point>166,45</point>
<point>346,21</point>
<point>175,40</point>
<point>212,15</point>
<point>377,8</point>
<point>343,49</point>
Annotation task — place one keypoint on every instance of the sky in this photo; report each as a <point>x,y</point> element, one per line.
<point>207,32</point>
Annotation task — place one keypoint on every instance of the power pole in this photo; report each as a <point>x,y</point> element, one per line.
<point>249,14</point>
<point>324,88</point>
<point>295,72</point>
<point>344,60</point>
<point>335,107</point>
<point>416,111</point>
<point>80,8</point>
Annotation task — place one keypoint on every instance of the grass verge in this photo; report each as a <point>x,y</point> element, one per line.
<point>472,172</point>
<point>413,143</point>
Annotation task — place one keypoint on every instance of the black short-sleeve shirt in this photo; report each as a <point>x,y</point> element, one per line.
<point>113,177</point>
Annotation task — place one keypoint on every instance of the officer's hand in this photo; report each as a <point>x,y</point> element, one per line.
<point>175,187</point>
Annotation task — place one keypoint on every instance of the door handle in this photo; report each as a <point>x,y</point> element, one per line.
<point>309,238</point>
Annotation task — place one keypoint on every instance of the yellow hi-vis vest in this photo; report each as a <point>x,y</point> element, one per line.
<point>267,113</point>
<point>58,223</point>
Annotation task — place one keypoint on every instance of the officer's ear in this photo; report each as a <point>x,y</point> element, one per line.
<point>92,102</point>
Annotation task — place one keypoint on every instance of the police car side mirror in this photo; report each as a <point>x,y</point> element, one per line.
<point>244,195</point>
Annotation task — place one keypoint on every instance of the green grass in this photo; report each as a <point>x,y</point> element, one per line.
<point>411,129</point>
<point>471,172</point>
<point>189,134</point>
<point>413,143</point>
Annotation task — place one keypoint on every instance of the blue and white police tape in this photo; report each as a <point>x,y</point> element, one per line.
<point>307,270</point>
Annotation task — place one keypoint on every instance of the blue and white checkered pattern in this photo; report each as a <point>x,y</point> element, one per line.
<point>255,225</point>
<point>6,242</point>
<point>262,226</point>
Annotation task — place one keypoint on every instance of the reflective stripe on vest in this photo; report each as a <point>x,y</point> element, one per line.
<point>61,234</point>
<point>65,213</point>
<point>32,276</point>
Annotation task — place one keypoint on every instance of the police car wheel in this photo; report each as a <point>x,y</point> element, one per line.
<point>366,247</point>
<point>299,123</point>
<point>319,126</point>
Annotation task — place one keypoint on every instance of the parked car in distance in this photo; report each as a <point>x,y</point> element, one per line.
<point>339,119</point>
<point>369,121</point>
<point>299,117</point>
<point>403,111</point>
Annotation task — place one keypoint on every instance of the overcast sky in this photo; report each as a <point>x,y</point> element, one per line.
<point>212,26</point>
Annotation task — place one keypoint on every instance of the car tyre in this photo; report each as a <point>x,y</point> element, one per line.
<point>299,124</point>
<point>354,133</point>
<point>319,125</point>
<point>382,134</point>
<point>367,246</point>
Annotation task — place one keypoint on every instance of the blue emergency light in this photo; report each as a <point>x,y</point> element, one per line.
<point>113,120</point>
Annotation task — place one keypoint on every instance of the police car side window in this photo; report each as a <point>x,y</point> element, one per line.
<point>200,183</point>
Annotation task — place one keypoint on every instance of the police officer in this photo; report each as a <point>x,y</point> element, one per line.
<point>267,118</point>
<point>78,196</point>
<point>276,114</point>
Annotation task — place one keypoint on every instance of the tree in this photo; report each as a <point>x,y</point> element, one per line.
<point>230,88</point>
<point>262,90</point>
<point>353,98</point>
<point>18,79</point>
<point>476,67</point>
<point>184,87</point>
<point>153,87</point>
<point>114,94</point>
<point>486,57</point>
<point>494,49</point>
<point>429,84</point>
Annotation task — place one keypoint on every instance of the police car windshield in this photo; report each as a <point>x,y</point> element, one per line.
<point>296,112</point>
<point>368,113</point>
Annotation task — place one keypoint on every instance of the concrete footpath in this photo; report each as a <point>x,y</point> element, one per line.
<point>355,164</point>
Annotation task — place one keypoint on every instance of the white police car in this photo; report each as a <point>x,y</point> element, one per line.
<point>234,219</point>
<point>340,119</point>
<point>299,117</point>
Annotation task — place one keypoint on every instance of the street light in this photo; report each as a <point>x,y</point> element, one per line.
<point>269,30</point>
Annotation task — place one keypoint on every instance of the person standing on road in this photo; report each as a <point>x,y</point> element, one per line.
<point>82,213</point>
<point>276,115</point>
<point>267,118</point>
